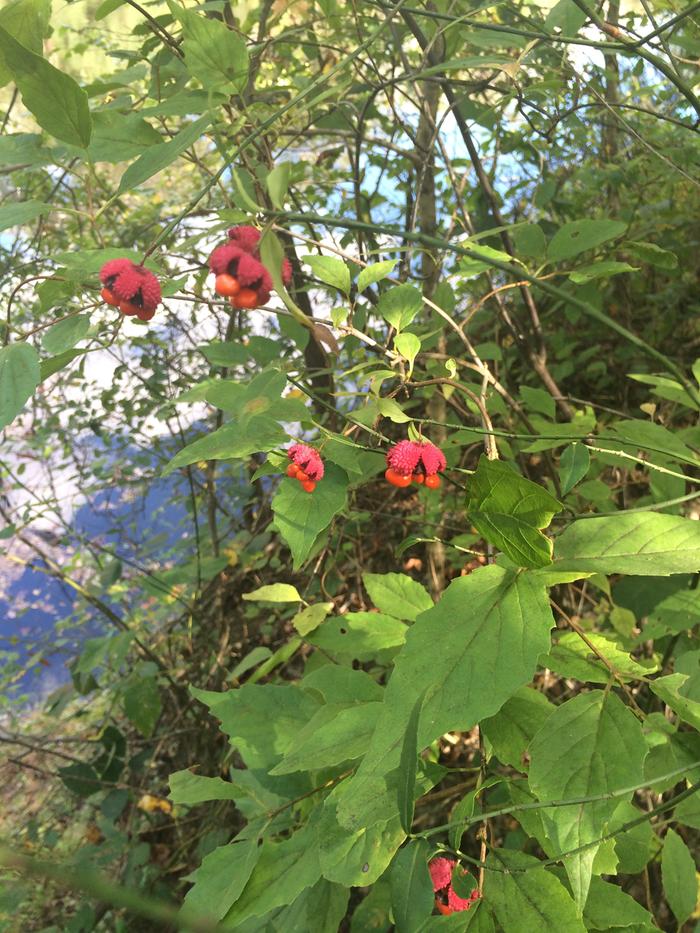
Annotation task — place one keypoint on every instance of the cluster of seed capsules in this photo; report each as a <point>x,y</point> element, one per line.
<point>447,901</point>
<point>409,462</point>
<point>240,276</point>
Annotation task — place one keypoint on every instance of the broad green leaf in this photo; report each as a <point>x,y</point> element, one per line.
<point>644,543</point>
<point>214,54</point>
<point>669,689</point>
<point>609,906</point>
<point>397,594</point>
<point>157,158</point>
<point>408,767</point>
<point>375,273</point>
<point>539,400</point>
<point>653,254</point>
<point>311,617</point>
<point>142,704</point>
<point>527,899</point>
<point>24,149</point>
<point>581,235</point>
<point>283,870</point>
<point>556,434</point>
<point>600,270</point>
<point>261,722</point>
<point>399,305</point>
<point>333,272</point>
<point>28,22</point>
<point>670,604</point>
<point>679,876</point>
<point>665,387</point>
<point>342,685</point>
<point>390,409</point>
<point>654,437</point>
<point>333,735</point>
<point>300,517</point>
<point>590,745</point>
<point>221,878</point>
<point>565,17</point>
<point>570,656</point>
<point>412,896</point>
<point>358,857</point>
<point>408,346</point>
<point>59,105</point>
<point>23,212</point>
<point>227,353</point>
<point>319,909</point>
<point>64,335</point>
<point>456,653</point>
<point>529,239</point>
<point>190,789</point>
<point>117,137</point>
<point>359,635</point>
<point>509,511</point>
<point>55,363</point>
<point>275,593</point>
<point>231,442</point>
<point>573,466</point>
<point>19,376</point>
<point>482,259</point>
<point>515,724</point>
<point>278,182</point>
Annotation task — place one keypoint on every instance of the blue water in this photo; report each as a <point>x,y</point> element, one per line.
<point>43,621</point>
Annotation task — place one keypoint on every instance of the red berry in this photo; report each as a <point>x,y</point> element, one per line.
<point>127,308</point>
<point>309,485</point>
<point>301,476</point>
<point>397,479</point>
<point>432,482</point>
<point>246,298</point>
<point>109,297</point>
<point>418,478</point>
<point>292,470</point>
<point>226,285</point>
<point>144,315</point>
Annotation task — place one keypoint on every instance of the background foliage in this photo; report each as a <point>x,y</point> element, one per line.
<point>268,709</point>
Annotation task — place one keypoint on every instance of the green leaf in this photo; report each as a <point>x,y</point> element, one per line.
<point>300,517</point>
<point>573,466</point>
<point>64,335</point>
<point>142,704</point>
<point>565,17</point>
<point>278,182</point>
<point>19,377</point>
<point>509,511</point>
<point>481,261</point>
<point>24,212</point>
<point>455,653</point>
<point>359,635</point>
<point>515,724</point>
<point>333,272</point>
<point>679,876</point>
<point>319,909</point>
<point>390,409</point>
<point>527,899</point>
<point>284,869</point>
<point>669,689</point>
<point>55,363</point>
<point>262,722</point>
<point>538,400</point>
<point>399,305</point>
<point>571,657</point>
<point>412,897</point>
<point>397,594</point>
<point>58,104</point>
<point>214,54</point>
<point>590,745</point>
<point>375,273</point>
<point>608,906</point>
<point>190,789</point>
<point>333,735</point>
<point>28,22</point>
<point>655,437</point>
<point>311,617</point>
<point>117,137</point>
<point>408,346</point>
<point>645,543</point>
<point>529,239</point>
<point>600,270</point>
<point>408,766</point>
<point>581,235</point>
<point>653,254</point>
<point>159,157</point>
<point>360,857</point>
<point>275,593</point>
<point>231,442</point>
<point>220,879</point>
